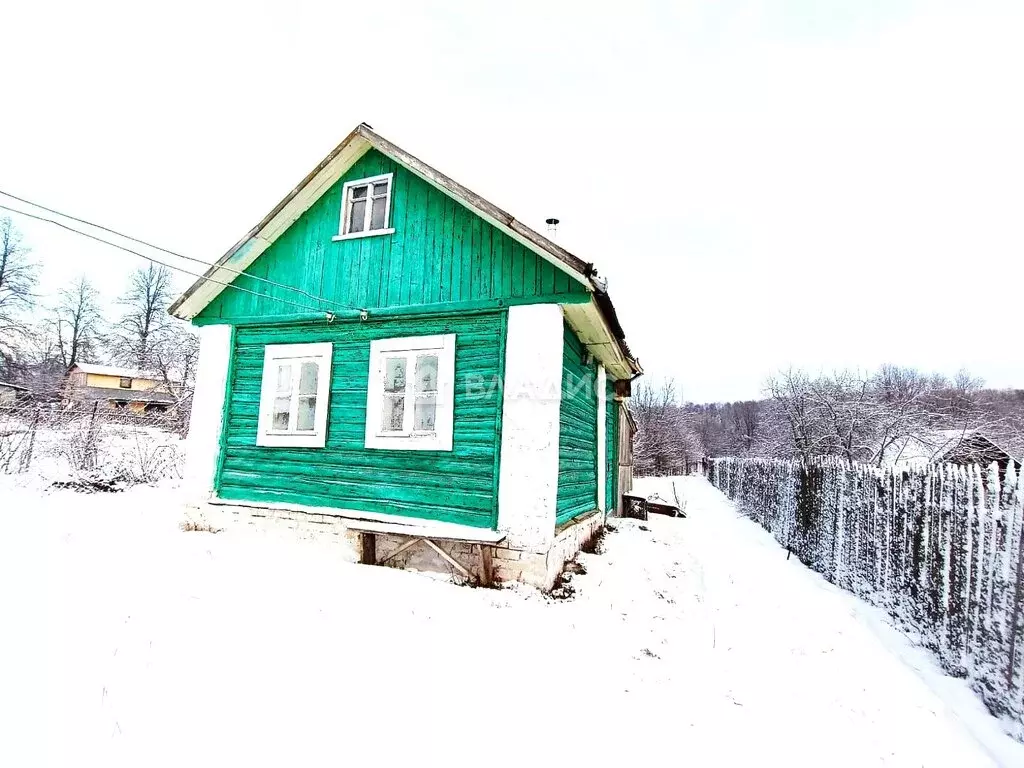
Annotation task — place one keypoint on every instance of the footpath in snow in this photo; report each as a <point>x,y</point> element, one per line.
<point>130,642</point>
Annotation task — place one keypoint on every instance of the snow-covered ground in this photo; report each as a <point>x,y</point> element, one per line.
<point>130,642</point>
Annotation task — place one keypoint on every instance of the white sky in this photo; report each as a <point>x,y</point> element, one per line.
<point>812,182</point>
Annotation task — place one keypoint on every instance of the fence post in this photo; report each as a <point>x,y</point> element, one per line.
<point>26,456</point>
<point>89,450</point>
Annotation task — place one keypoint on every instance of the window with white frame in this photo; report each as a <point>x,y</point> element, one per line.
<point>294,395</point>
<point>411,394</point>
<point>366,207</point>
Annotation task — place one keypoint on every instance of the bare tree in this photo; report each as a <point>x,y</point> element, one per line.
<point>77,323</point>
<point>174,357</point>
<point>139,331</point>
<point>878,418</point>
<point>901,409</point>
<point>17,279</point>
<point>790,391</point>
<point>746,419</point>
<point>666,439</point>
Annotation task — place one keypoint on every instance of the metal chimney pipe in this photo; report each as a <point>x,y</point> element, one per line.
<point>552,228</point>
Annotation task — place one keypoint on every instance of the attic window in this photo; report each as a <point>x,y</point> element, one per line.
<point>125,383</point>
<point>366,207</point>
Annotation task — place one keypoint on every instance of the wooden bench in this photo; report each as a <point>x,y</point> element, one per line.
<point>429,535</point>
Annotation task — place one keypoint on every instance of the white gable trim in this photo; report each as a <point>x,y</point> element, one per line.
<point>288,211</point>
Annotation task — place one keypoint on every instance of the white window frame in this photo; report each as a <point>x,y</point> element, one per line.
<point>443,345</point>
<point>346,206</point>
<point>297,354</point>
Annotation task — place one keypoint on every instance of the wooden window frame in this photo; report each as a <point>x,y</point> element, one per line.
<point>296,354</point>
<point>440,439</point>
<point>121,383</point>
<point>346,207</point>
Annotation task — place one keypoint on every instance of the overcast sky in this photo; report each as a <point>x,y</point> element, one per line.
<point>821,183</point>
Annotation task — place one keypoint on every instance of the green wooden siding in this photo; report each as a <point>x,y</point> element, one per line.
<point>611,442</point>
<point>577,435</point>
<point>456,486</point>
<point>440,254</point>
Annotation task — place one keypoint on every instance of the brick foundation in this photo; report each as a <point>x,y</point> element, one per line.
<point>509,564</point>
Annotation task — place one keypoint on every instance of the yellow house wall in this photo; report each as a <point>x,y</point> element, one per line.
<point>114,382</point>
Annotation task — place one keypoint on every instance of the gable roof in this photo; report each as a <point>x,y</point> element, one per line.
<point>948,444</point>
<point>974,442</point>
<point>110,370</point>
<point>595,322</point>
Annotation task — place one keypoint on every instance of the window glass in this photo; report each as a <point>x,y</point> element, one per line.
<point>284,379</point>
<point>394,374</point>
<point>294,395</point>
<point>283,398</point>
<point>305,417</point>
<point>426,373</point>
<point>406,404</point>
<point>377,213</point>
<point>424,413</point>
<point>282,415</point>
<point>366,205</point>
<point>307,378</point>
<point>357,217</point>
<point>394,413</point>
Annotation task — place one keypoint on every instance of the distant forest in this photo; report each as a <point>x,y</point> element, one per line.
<point>878,418</point>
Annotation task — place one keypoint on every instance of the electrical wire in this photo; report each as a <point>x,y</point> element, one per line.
<point>161,249</point>
<point>165,264</point>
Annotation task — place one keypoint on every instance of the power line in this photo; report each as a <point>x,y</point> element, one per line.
<point>164,264</point>
<point>159,248</point>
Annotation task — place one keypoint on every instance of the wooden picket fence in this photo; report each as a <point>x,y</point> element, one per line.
<point>939,546</point>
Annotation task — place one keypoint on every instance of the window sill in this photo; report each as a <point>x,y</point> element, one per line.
<point>291,440</point>
<point>409,443</point>
<point>370,233</point>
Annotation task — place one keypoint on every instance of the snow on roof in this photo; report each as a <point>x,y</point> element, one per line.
<point>110,370</point>
<point>938,443</point>
<point>927,447</point>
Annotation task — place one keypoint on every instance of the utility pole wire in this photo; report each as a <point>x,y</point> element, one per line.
<point>164,264</point>
<point>158,248</point>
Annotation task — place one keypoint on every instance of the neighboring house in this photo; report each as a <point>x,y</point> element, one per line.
<point>959,446</point>
<point>119,388</point>
<point>976,448</point>
<point>410,365</point>
<point>11,394</point>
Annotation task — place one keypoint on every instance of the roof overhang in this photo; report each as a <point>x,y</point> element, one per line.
<point>594,327</point>
<point>595,319</point>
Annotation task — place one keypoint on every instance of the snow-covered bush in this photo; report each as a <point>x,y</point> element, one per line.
<point>941,547</point>
<point>89,448</point>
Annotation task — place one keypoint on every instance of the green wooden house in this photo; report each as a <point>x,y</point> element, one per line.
<point>390,357</point>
